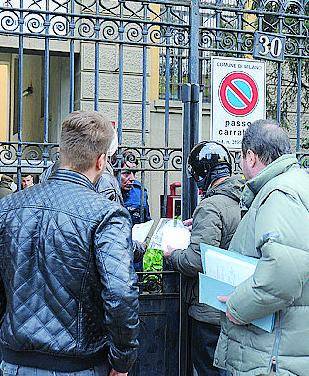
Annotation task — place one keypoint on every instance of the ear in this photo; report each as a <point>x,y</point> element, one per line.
<point>251,158</point>
<point>101,162</point>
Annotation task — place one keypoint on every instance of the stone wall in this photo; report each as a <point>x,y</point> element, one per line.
<point>109,87</point>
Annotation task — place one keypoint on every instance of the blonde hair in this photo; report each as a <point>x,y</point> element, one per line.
<point>85,135</point>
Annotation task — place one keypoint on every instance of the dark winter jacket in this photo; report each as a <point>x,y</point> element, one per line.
<point>108,186</point>
<point>214,222</point>
<point>132,201</point>
<point>66,269</point>
<point>5,186</point>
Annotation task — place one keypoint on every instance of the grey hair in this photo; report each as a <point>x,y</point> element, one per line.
<point>267,140</point>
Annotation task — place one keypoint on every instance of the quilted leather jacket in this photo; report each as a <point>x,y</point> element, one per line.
<point>69,295</point>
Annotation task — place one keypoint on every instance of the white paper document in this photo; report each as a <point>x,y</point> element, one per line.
<point>141,231</point>
<point>227,269</point>
<point>223,271</point>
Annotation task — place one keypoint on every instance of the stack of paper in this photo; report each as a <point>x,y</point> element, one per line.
<point>224,270</point>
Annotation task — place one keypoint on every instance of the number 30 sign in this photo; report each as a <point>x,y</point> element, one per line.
<point>268,46</point>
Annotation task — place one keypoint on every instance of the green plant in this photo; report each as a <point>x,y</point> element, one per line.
<point>153,260</point>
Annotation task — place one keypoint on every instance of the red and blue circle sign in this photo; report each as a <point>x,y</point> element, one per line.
<point>238,93</point>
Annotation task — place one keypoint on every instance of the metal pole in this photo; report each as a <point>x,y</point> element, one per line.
<point>186,212</point>
<point>46,85</point>
<point>194,42</point>
<point>186,100</point>
<point>167,109</point>
<point>97,59</point>
<point>299,97</point>
<point>144,115</point>
<point>195,94</point>
<point>279,83</point>
<point>299,105</point>
<point>20,93</point>
<point>190,99</point>
<point>72,59</point>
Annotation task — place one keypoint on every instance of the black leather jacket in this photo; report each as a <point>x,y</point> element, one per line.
<point>70,291</point>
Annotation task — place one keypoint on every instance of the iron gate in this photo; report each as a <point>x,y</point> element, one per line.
<point>135,60</point>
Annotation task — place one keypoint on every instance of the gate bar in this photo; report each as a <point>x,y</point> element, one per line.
<point>186,100</point>
<point>20,94</point>
<point>186,213</point>
<point>167,109</point>
<point>279,83</point>
<point>299,104</point>
<point>96,58</point>
<point>144,116</point>
<point>46,84</point>
<point>72,59</point>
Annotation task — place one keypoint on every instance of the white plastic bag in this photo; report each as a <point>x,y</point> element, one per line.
<point>170,232</point>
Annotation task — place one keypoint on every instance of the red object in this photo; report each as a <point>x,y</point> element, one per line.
<point>249,103</point>
<point>173,187</point>
<point>173,208</point>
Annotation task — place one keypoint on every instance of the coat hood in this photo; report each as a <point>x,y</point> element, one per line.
<point>231,187</point>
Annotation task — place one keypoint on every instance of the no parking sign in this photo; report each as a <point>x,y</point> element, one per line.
<point>238,98</point>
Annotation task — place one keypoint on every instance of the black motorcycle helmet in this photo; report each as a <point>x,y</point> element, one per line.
<point>205,159</point>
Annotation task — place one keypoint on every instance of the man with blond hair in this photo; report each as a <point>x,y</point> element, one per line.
<point>66,267</point>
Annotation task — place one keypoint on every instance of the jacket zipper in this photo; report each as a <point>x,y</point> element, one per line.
<point>274,358</point>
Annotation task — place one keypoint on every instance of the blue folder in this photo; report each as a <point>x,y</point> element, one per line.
<point>210,288</point>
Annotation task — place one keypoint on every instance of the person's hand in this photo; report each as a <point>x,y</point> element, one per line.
<point>188,223</point>
<point>144,245</point>
<point>224,299</point>
<point>115,373</point>
<point>139,250</point>
<point>168,251</point>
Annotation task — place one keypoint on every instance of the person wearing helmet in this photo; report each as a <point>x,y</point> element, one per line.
<point>214,222</point>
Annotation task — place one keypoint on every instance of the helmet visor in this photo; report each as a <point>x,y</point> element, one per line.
<point>192,174</point>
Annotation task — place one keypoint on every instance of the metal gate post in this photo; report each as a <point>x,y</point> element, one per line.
<point>194,74</point>
<point>184,362</point>
<point>190,99</point>
<point>194,137</point>
<point>186,100</point>
<point>194,42</point>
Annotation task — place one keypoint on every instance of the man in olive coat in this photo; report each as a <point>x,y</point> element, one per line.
<point>214,222</point>
<point>276,231</point>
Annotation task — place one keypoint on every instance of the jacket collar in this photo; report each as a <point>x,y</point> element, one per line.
<point>73,177</point>
<point>5,184</point>
<point>230,187</point>
<point>274,169</point>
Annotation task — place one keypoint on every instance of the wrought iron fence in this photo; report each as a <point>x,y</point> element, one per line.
<point>227,28</point>
<point>110,56</point>
<point>58,62</point>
